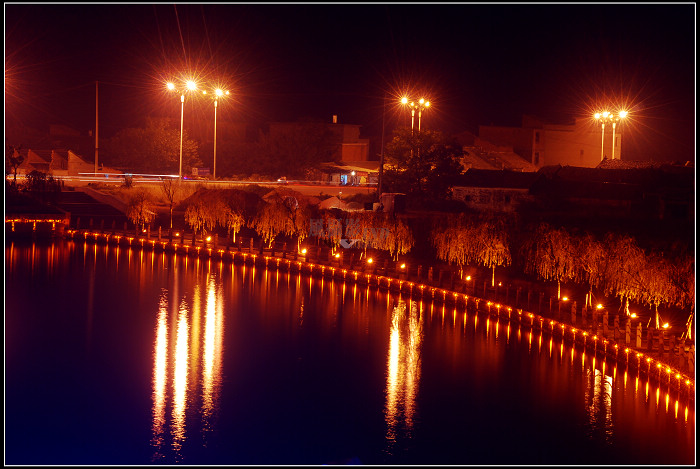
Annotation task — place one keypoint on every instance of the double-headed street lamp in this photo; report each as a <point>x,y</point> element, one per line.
<point>602,118</point>
<point>421,105</point>
<point>218,93</point>
<point>188,86</point>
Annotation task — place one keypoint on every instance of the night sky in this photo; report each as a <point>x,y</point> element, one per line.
<point>477,64</point>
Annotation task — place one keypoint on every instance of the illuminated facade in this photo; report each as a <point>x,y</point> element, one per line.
<point>543,144</point>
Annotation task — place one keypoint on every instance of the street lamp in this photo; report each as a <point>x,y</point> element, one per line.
<point>602,118</point>
<point>422,104</point>
<point>615,119</point>
<point>189,86</point>
<point>218,93</point>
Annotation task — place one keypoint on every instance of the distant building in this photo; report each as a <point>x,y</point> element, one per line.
<point>645,192</point>
<point>59,163</point>
<point>490,190</point>
<point>344,138</point>
<point>544,144</point>
<point>484,155</point>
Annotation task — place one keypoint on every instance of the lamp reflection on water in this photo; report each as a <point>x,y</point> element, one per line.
<point>180,380</point>
<point>159,376</point>
<point>176,365</point>
<point>403,371</point>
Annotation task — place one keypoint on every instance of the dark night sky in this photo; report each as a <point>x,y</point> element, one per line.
<point>478,64</point>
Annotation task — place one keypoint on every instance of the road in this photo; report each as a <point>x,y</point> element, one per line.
<point>305,187</point>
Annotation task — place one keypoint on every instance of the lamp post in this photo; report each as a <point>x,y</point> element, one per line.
<point>615,119</point>
<point>422,104</point>
<point>218,93</point>
<point>189,86</point>
<point>602,118</point>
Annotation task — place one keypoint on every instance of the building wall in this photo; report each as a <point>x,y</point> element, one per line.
<point>577,144</point>
<point>491,198</point>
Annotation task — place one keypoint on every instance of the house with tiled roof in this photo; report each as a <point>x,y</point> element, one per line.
<point>482,154</point>
<point>500,191</point>
<point>59,163</point>
<point>35,160</point>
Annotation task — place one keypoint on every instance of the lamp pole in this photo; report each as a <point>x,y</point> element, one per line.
<point>218,93</point>
<point>602,117</point>
<point>422,104</point>
<point>381,155</point>
<point>620,115</point>
<point>189,86</point>
<point>97,145</point>
<point>182,125</point>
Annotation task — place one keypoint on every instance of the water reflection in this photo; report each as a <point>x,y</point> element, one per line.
<point>159,376</point>
<point>186,360</point>
<point>598,393</point>
<point>403,371</point>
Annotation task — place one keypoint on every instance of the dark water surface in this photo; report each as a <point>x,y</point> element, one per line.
<point>118,356</point>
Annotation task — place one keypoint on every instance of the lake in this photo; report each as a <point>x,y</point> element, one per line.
<point>121,356</point>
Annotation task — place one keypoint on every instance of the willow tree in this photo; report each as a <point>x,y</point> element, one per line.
<point>140,209</point>
<point>549,253</point>
<point>171,190</point>
<point>232,220</point>
<point>656,285</point>
<point>681,271</point>
<point>269,222</point>
<point>401,238</point>
<point>197,217</point>
<point>625,261</point>
<point>330,229</point>
<point>589,263</point>
<point>492,247</point>
<point>455,241</point>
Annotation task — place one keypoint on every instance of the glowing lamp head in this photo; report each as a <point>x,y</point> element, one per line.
<point>177,233</point>
<point>208,238</point>
<point>370,260</point>
<point>337,256</point>
<point>427,104</point>
<point>623,114</point>
<point>599,306</point>
<point>303,251</point>
<point>171,86</point>
<point>421,100</point>
<point>469,277</point>
<point>605,114</point>
<point>404,100</point>
<point>665,326</point>
<point>192,86</point>
<point>403,266</point>
<point>596,115</point>
<point>219,92</point>
<point>565,298</point>
<point>633,315</point>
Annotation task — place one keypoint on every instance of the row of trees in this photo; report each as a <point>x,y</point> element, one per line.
<point>614,265</point>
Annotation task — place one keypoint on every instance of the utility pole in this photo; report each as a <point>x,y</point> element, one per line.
<point>97,145</point>
<point>381,155</point>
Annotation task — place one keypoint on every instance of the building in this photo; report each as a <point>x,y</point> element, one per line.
<point>491,190</point>
<point>645,192</point>
<point>59,163</point>
<point>482,154</point>
<point>344,139</point>
<point>543,144</point>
